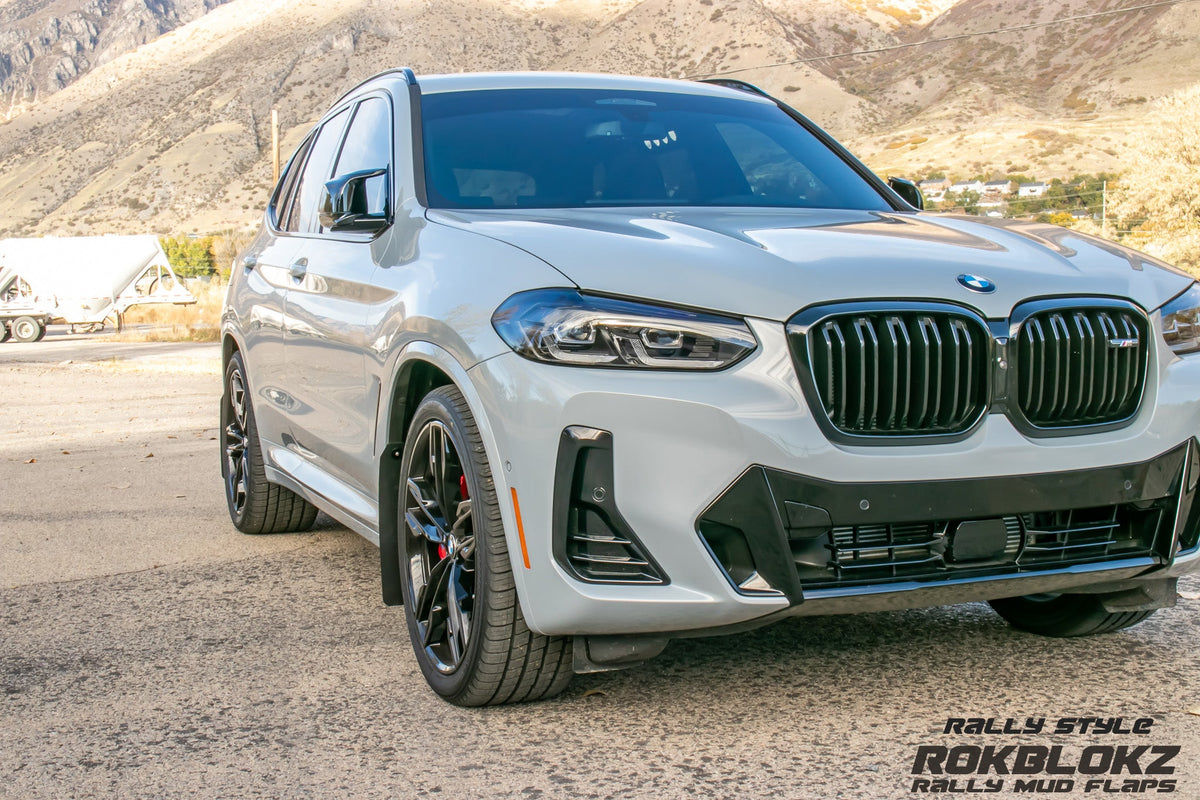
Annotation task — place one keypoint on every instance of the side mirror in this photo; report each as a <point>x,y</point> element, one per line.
<point>908,191</point>
<point>345,206</point>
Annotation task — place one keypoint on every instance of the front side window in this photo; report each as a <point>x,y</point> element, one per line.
<point>368,146</point>
<point>558,148</point>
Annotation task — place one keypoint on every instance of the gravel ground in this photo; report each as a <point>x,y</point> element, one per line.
<point>149,650</point>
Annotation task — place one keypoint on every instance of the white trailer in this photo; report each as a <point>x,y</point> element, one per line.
<point>86,280</point>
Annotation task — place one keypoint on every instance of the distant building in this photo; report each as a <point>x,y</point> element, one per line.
<point>934,189</point>
<point>962,187</point>
<point>998,188</point>
<point>1032,189</point>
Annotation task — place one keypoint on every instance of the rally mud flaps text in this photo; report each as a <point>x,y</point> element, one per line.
<point>1123,767</point>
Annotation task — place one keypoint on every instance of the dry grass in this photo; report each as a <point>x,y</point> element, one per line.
<point>199,322</point>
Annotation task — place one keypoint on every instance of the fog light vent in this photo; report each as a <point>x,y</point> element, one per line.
<point>591,538</point>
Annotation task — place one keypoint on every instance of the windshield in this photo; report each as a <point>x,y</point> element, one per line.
<point>567,148</point>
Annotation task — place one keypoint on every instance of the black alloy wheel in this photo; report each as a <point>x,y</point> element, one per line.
<point>460,599</point>
<point>440,543</point>
<point>255,504</point>
<point>237,458</point>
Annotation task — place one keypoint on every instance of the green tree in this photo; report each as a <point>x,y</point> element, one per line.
<point>190,258</point>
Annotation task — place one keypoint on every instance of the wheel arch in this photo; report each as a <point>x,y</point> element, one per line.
<point>229,346</point>
<point>419,369</point>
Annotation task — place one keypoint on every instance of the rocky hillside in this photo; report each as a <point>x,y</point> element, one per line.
<point>1055,99</point>
<point>46,45</point>
<point>161,121</point>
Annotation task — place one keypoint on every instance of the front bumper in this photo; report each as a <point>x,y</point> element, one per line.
<point>681,443</point>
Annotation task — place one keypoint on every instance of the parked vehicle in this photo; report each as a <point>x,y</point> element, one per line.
<point>600,362</point>
<point>22,317</point>
<point>86,281</point>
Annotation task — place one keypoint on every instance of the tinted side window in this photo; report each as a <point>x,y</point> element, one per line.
<point>302,216</point>
<point>368,146</point>
<point>281,200</point>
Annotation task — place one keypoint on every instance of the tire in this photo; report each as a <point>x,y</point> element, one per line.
<point>255,504</point>
<point>460,602</point>
<point>5,333</point>
<point>26,329</point>
<point>1064,615</point>
<point>41,334</point>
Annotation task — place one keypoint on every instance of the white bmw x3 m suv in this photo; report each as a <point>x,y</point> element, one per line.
<point>603,361</point>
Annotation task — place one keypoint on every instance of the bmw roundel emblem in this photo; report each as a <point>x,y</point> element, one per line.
<point>976,283</point>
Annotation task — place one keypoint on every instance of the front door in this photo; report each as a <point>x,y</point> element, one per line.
<point>332,426</point>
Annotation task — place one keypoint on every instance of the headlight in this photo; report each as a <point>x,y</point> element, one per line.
<point>563,326</point>
<point>1181,321</point>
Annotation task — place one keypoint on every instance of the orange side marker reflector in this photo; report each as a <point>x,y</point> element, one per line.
<point>520,528</point>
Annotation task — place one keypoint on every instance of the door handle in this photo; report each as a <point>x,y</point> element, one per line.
<point>298,268</point>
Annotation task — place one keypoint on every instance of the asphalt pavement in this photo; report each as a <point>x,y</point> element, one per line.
<point>149,650</point>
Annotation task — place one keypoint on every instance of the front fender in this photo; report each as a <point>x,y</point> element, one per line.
<point>391,455</point>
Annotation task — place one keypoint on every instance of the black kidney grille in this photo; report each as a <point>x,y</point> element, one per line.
<point>900,373</point>
<point>1083,366</point>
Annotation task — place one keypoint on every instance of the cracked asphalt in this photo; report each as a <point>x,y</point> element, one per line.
<point>148,650</point>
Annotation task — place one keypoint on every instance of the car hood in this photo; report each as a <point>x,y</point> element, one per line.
<point>770,263</point>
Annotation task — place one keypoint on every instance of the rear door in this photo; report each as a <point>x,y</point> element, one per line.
<point>260,301</point>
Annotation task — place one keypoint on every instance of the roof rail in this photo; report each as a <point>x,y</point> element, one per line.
<point>734,83</point>
<point>409,77</point>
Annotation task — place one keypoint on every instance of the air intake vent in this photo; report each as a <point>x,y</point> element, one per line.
<point>1081,366</point>
<point>591,538</point>
<point>597,553</point>
<point>916,371</point>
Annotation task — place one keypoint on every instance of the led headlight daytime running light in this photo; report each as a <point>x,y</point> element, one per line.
<point>1181,321</point>
<point>563,326</point>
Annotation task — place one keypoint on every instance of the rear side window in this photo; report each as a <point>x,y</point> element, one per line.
<point>281,200</point>
<point>368,146</point>
<point>318,166</point>
<point>556,148</point>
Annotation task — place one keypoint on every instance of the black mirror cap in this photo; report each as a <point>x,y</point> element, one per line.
<point>343,204</point>
<point>359,223</point>
<point>909,192</point>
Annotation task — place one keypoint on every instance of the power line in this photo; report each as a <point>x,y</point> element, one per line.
<point>939,40</point>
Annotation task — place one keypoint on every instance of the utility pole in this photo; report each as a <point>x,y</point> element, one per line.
<point>1104,210</point>
<point>275,145</point>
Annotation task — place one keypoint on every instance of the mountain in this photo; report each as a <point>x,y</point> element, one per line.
<point>46,45</point>
<point>1054,100</point>
<point>161,123</point>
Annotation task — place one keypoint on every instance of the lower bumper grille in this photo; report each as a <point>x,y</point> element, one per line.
<point>930,550</point>
<point>780,532</point>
